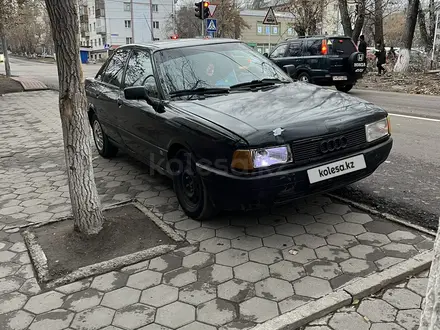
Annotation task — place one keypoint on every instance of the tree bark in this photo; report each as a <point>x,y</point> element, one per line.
<point>430,317</point>
<point>86,206</point>
<point>360,20</point>
<point>423,31</point>
<point>345,18</point>
<point>378,21</point>
<point>402,63</point>
<point>5,53</point>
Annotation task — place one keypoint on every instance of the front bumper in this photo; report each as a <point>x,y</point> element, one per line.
<point>229,191</point>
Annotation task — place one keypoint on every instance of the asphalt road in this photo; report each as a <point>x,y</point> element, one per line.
<point>407,185</point>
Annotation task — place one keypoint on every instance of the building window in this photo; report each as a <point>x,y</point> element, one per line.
<point>155,24</point>
<point>90,27</point>
<point>129,40</point>
<point>96,42</point>
<point>99,41</point>
<point>94,26</point>
<point>127,24</point>
<point>93,9</point>
<point>155,8</point>
<point>127,6</point>
<point>263,29</point>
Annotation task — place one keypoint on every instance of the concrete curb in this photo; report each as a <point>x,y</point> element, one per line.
<point>344,296</point>
<point>39,259</point>
<point>384,215</point>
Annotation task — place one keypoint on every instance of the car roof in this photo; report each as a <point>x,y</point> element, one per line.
<point>179,43</point>
<point>333,36</point>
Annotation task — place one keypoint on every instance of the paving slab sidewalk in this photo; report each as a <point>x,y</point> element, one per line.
<point>395,308</point>
<point>241,269</point>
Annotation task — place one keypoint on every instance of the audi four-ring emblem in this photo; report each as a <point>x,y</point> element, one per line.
<point>333,144</point>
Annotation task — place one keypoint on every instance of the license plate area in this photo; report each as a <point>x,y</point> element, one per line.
<point>336,169</point>
<point>339,78</point>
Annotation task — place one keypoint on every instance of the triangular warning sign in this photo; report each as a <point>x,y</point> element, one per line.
<point>211,26</point>
<point>270,17</point>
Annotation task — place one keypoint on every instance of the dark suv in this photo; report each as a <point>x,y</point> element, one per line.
<point>322,60</point>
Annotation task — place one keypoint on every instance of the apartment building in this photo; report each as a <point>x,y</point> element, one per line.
<point>262,37</point>
<point>331,17</point>
<point>108,24</point>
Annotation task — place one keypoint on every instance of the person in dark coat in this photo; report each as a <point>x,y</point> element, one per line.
<point>381,57</point>
<point>362,45</point>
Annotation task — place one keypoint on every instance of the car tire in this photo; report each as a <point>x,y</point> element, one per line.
<point>190,190</point>
<point>304,77</point>
<point>105,148</point>
<point>344,88</point>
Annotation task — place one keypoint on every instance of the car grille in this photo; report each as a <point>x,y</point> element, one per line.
<point>327,146</point>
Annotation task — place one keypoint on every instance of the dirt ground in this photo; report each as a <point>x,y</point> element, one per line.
<point>411,83</point>
<point>126,230</point>
<point>7,85</point>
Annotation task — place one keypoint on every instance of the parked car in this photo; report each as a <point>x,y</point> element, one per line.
<point>322,60</point>
<point>231,134</point>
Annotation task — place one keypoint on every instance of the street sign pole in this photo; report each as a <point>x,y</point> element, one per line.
<point>203,26</point>
<point>270,19</point>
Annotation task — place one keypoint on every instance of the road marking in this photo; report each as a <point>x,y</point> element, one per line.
<point>414,117</point>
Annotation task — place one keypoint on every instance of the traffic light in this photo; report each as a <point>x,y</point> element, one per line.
<point>205,9</point>
<point>202,9</point>
<point>198,9</point>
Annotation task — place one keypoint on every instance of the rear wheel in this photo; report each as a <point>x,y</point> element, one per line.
<point>105,148</point>
<point>344,88</point>
<point>189,187</point>
<point>304,77</point>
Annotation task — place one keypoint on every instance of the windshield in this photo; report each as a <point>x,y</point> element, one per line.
<point>212,66</point>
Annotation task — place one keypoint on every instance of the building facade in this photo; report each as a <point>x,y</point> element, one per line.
<point>108,24</point>
<point>263,37</point>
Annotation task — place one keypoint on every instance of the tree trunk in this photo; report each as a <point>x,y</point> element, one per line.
<point>378,21</point>
<point>430,317</point>
<point>423,31</point>
<point>345,18</point>
<point>5,53</point>
<point>402,63</point>
<point>86,206</point>
<point>360,20</point>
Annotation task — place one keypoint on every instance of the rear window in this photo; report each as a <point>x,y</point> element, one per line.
<point>341,46</point>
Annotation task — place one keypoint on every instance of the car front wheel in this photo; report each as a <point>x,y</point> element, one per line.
<point>344,88</point>
<point>304,77</point>
<point>105,148</point>
<point>189,187</point>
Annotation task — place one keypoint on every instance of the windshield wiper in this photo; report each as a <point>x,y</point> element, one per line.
<point>260,82</point>
<point>200,91</point>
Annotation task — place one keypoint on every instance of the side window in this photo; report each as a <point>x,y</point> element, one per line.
<point>115,69</point>
<point>140,72</point>
<point>279,51</point>
<point>313,47</point>
<point>295,48</point>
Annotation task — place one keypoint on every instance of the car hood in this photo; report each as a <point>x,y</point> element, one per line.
<point>297,110</point>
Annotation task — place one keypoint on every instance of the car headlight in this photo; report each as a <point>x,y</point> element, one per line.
<point>261,158</point>
<point>378,129</point>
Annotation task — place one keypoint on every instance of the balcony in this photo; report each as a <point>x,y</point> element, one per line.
<point>100,12</point>
<point>100,26</point>
<point>84,18</point>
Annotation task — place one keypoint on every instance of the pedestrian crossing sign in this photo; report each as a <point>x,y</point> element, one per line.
<point>211,25</point>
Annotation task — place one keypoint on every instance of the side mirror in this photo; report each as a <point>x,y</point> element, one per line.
<point>266,55</point>
<point>141,93</point>
<point>290,69</point>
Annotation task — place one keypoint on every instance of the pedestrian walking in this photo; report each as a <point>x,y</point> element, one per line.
<point>392,57</point>
<point>381,58</point>
<point>362,47</point>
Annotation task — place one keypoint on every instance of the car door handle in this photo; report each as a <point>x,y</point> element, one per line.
<point>120,103</point>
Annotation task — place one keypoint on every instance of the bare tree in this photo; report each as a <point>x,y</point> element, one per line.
<point>306,15</point>
<point>6,14</point>
<point>402,63</point>
<point>353,31</point>
<point>378,21</point>
<point>427,26</point>
<point>86,206</point>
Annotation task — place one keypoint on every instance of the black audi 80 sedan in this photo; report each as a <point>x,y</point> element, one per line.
<point>231,128</point>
